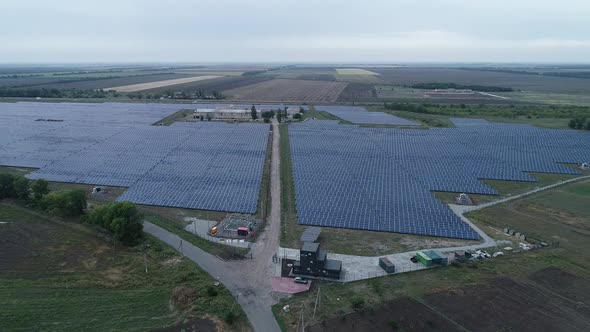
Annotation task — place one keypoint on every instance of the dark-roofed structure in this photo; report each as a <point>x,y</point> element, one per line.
<point>314,262</point>
<point>310,234</point>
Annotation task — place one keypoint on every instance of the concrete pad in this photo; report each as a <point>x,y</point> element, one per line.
<point>288,286</point>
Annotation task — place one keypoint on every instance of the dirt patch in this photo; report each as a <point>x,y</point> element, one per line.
<point>563,284</point>
<point>404,314</point>
<point>172,261</point>
<point>183,297</point>
<point>192,325</point>
<point>505,304</point>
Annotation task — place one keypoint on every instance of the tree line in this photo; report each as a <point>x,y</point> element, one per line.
<point>580,122</point>
<point>55,93</point>
<point>480,88</point>
<point>122,220</point>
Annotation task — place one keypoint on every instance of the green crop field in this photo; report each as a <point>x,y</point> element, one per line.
<point>67,277</point>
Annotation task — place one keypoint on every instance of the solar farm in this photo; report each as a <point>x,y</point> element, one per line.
<point>203,165</point>
<point>359,115</point>
<point>381,179</point>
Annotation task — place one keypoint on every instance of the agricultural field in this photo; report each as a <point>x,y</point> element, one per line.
<point>217,84</point>
<point>357,75</point>
<point>285,90</point>
<point>160,84</point>
<point>505,294</point>
<point>546,84</point>
<point>111,82</point>
<point>66,276</point>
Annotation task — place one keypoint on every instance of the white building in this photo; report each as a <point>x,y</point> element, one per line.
<point>224,114</point>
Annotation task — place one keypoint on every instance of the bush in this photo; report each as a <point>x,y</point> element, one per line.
<point>297,116</point>
<point>40,188</point>
<point>357,302</point>
<point>6,186</point>
<point>21,188</point>
<point>229,317</point>
<point>211,291</point>
<point>266,120</point>
<point>65,203</point>
<point>122,219</point>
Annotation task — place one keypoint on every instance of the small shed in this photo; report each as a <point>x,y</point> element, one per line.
<point>243,231</point>
<point>386,265</point>
<point>424,259</point>
<point>437,257</point>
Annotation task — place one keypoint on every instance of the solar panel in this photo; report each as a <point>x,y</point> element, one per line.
<point>360,115</point>
<point>201,165</point>
<point>381,179</point>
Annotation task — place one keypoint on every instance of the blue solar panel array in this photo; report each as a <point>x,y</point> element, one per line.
<point>202,165</point>
<point>381,179</point>
<point>360,115</point>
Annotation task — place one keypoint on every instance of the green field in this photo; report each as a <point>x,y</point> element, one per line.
<point>547,98</point>
<point>67,277</point>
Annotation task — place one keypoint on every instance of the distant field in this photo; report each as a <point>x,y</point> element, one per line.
<point>159,84</point>
<point>548,98</point>
<point>354,71</point>
<point>288,90</point>
<point>111,82</point>
<point>409,76</point>
<point>217,84</point>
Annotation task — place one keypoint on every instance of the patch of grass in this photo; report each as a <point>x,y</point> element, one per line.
<point>174,117</point>
<point>508,188</point>
<point>16,170</point>
<point>67,277</point>
<point>208,246</point>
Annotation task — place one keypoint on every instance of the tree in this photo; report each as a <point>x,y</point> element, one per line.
<point>122,219</point>
<point>21,188</point>
<point>254,113</point>
<point>40,188</point>
<point>6,185</point>
<point>297,116</point>
<point>65,203</point>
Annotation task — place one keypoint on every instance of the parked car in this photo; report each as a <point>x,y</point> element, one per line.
<point>300,280</point>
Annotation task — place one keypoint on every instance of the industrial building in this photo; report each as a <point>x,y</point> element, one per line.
<point>314,262</point>
<point>224,114</point>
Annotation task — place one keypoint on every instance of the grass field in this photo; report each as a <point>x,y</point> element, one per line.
<point>552,276</point>
<point>67,277</point>
<point>548,98</point>
<point>409,76</point>
<point>557,215</point>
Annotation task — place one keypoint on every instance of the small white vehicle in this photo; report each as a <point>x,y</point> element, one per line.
<point>300,280</point>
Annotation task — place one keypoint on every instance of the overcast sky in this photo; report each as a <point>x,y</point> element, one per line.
<point>294,31</point>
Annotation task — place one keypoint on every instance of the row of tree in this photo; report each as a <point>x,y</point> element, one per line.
<point>54,93</point>
<point>123,219</point>
<point>36,194</point>
<point>481,88</point>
